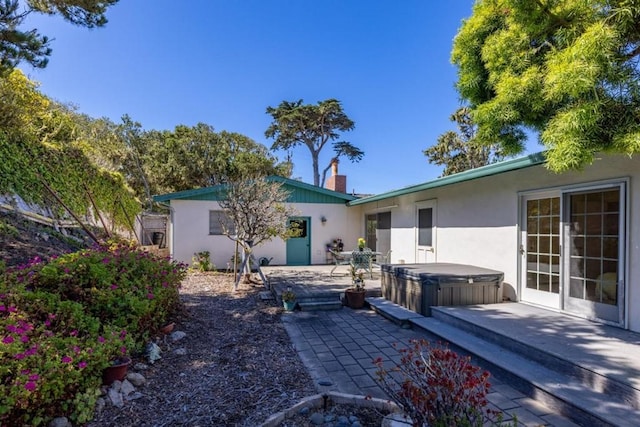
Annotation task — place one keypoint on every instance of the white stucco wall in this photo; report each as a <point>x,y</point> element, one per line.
<point>477,221</point>
<point>190,231</point>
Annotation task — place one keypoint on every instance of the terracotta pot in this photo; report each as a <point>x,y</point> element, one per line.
<point>353,298</point>
<point>117,371</point>
<point>166,329</point>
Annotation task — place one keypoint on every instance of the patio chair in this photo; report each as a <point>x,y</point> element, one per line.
<point>338,260</point>
<point>363,259</point>
<point>380,259</point>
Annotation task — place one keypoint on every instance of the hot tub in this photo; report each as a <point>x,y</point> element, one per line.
<point>419,287</point>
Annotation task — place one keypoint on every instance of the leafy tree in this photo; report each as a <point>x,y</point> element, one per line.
<point>197,156</point>
<point>258,210</point>
<point>134,158</point>
<point>295,123</point>
<point>567,69</point>
<point>17,45</point>
<point>459,151</point>
<point>21,103</point>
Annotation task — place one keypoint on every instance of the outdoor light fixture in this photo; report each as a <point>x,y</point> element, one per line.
<point>323,219</point>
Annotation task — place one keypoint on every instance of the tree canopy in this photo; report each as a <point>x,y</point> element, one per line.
<point>120,165</point>
<point>17,45</point>
<point>459,151</point>
<point>566,69</point>
<point>295,123</point>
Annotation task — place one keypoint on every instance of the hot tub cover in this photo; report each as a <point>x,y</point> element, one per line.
<point>442,272</point>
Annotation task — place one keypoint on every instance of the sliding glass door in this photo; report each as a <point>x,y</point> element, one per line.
<point>572,250</point>
<point>595,253</point>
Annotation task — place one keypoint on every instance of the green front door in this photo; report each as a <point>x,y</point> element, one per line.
<point>299,246</point>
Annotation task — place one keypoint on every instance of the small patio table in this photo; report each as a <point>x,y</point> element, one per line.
<point>362,259</point>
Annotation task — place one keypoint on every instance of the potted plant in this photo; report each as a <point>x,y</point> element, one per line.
<point>289,299</point>
<point>117,371</point>
<point>354,296</point>
<point>361,243</point>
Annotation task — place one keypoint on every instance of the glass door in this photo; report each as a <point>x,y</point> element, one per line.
<point>594,233</point>
<point>540,249</point>
<point>371,224</point>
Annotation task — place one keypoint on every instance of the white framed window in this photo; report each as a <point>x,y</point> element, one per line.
<point>218,222</point>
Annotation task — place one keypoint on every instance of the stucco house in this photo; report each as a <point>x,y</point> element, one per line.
<point>566,242</point>
<point>322,214</point>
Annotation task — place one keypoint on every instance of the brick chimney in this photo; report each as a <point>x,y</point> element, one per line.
<point>336,182</point>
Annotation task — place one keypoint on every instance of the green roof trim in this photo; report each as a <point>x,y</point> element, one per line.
<point>468,175</point>
<point>300,193</point>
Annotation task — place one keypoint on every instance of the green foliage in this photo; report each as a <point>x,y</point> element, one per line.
<point>202,261</point>
<point>7,230</point>
<point>43,138</point>
<point>67,170</point>
<point>197,156</point>
<point>288,296</point>
<point>460,151</point>
<point>295,123</point>
<point>21,104</point>
<point>566,69</point>
<point>17,45</point>
<point>66,320</point>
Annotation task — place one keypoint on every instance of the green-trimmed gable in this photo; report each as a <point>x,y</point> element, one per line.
<point>299,192</point>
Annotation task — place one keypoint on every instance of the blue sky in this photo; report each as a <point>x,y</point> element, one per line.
<point>223,62</point>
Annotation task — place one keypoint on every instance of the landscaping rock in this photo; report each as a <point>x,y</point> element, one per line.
<point>180,351</point>
<point>177,336</point>
<point>60,422</point>
<point>136,379</point>
<point>115,397</point>
<point>140,366</point>
<point>134,396</point>
<point>127,388</point>
<point>153,352</point>
<point>317,419</point>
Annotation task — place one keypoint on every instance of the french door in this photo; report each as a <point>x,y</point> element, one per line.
<point>540,249</point>
<point>594,236</point>
<point>573,250</point>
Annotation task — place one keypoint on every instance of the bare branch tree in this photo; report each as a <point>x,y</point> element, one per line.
<point>258,211</point>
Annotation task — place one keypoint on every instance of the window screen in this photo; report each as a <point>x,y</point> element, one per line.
<point>216,221</point>
<point>425,227</point>
<point>384,221</point>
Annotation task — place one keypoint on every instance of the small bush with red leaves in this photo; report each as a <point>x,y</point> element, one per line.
<point>435,386</point>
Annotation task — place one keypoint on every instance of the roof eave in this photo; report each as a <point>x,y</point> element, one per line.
<point>468,175</point>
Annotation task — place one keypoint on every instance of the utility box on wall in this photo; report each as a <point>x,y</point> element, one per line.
<point>418,287</point>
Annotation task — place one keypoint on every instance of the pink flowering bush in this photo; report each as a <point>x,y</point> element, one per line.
<point>63,322</point>
<point>435,386</point>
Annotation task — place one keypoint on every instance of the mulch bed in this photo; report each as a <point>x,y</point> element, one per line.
<point>240,366</point>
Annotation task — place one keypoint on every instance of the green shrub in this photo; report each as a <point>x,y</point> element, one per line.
<point>202,261</point>
<point>8,230</point>
<point>64,321</point>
